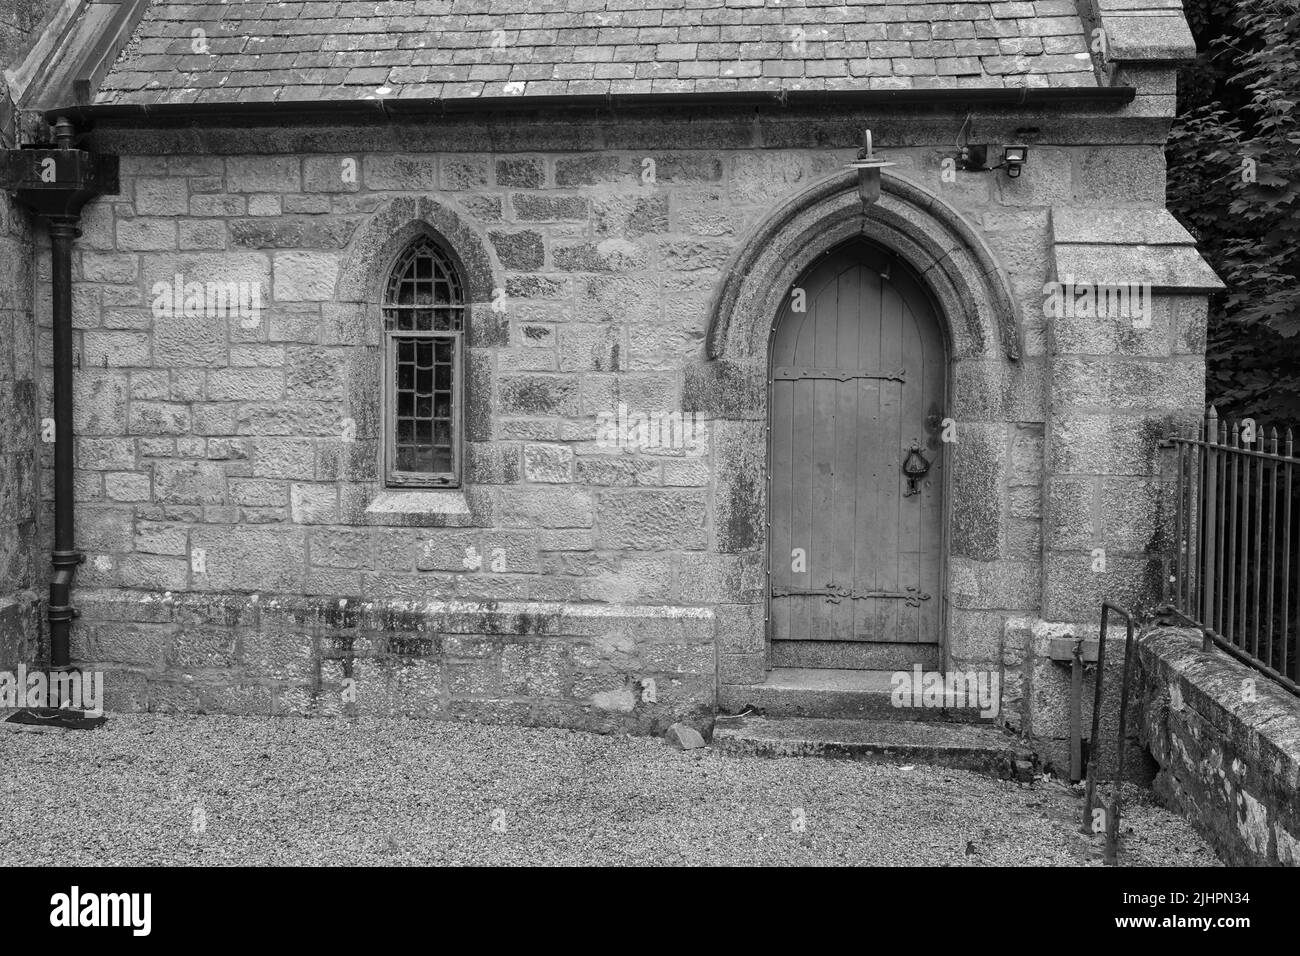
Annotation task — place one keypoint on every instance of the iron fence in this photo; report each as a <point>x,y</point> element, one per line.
<point>1235,572</point>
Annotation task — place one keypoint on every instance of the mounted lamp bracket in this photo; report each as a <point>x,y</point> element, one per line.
<point>868,166</point>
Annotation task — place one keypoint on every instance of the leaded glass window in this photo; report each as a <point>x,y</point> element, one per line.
<point>424,320</point>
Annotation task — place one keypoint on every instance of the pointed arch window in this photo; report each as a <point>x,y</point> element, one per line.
<point>424,322</point>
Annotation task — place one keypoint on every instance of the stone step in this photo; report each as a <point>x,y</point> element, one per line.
<point>817,692</point>
<point>982,749</point>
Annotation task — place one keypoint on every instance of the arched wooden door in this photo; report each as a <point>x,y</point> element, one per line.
<point>858,379</point>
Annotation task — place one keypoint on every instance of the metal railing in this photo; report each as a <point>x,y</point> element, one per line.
<point>1091,805</point>
<point>1234,572</point>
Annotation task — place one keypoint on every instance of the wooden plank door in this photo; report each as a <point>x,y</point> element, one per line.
<point>857,379</point>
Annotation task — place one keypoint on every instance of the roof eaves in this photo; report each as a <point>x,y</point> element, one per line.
<point>289,111</point>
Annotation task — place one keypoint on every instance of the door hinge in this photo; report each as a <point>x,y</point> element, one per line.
<point>795,372</point>
<point>835,593</point>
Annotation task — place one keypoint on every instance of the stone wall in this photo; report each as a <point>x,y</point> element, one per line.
<point>1227,740</point>
<point>21,564</point>
<point>218,459</point>
<point>529,662</point>
<point>1116,389</point>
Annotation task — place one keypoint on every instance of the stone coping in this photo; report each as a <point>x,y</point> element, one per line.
<point>1128,246</point>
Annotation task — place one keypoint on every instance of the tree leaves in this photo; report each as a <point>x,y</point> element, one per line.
<point>1234,181</point>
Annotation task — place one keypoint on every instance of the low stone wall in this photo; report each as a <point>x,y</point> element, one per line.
<point>1228,743</point>
<point>595,667</point>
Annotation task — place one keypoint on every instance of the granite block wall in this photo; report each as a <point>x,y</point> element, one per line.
<point>227,455</point>
<point>21,565</point>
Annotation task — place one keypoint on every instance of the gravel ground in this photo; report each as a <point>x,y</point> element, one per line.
<point>159,790</point>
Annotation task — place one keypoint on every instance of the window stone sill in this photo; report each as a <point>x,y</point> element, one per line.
<point>423,508</point>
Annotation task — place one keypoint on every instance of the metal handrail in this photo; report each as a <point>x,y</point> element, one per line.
<point>1090,790</point>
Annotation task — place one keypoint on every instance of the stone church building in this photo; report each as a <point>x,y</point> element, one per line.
<point>576,362</point>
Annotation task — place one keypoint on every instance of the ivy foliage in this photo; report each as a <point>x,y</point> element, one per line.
<point>1234,181</point>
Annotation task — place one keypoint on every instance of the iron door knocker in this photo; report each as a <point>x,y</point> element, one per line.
<point>915,467</point>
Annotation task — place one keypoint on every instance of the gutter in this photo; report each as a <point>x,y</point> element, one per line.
<point>286,112</point>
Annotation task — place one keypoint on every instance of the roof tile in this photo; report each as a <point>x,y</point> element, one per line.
<point>959,66</point>
<point>347,49</point>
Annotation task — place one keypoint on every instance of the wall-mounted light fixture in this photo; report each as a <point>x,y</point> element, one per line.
<point>868,166</point>
<point>975,159</point>
<point>1014,157</point>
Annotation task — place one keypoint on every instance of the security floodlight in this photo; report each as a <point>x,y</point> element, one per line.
<point>1014,157</point>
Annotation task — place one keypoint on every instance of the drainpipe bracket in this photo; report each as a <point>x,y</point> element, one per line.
<point>67,559</point>
<point>63,612</point>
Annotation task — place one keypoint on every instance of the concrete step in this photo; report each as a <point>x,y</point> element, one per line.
<point>817,692</point>
<point>982,749</point>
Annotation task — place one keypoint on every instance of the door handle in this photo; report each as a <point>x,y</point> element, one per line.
<point>915,467</point>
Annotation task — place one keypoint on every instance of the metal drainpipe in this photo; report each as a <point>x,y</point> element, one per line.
<point>65,557</point>
<point>55,184</point>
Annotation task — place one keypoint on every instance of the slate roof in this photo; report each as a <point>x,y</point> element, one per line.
<point>259,51</point>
